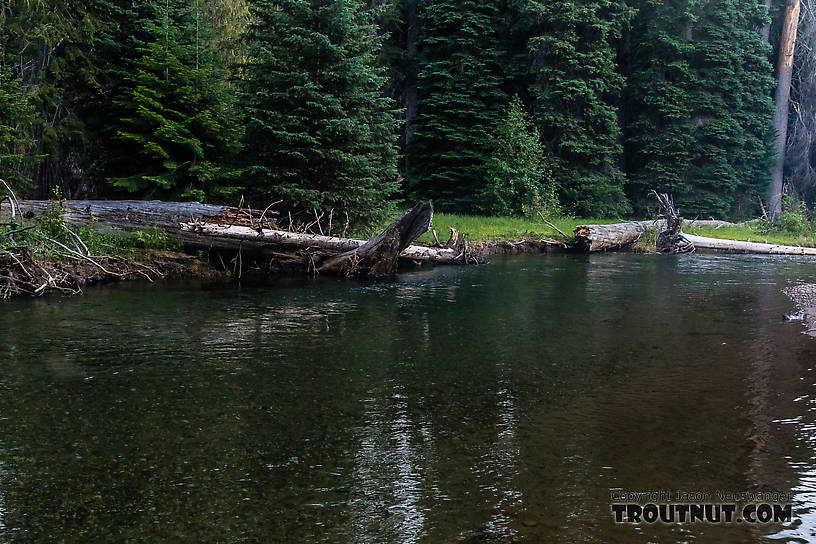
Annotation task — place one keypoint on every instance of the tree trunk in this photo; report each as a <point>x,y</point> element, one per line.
<point>605,237</point>
<point>766,30</point>
<point>131,215</point>
<point>747,247</point>
<point>784,74</point>
<point>223,228</point>
<point>378,256</point>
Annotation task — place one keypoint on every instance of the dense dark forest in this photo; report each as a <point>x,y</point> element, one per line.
<point>494,106</point>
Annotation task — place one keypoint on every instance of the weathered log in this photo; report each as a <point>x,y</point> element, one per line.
<point>205,236</point>
<point>747,247</point>
<point>671,240</point>
<point>606,237</point>
<point>218,228</point>
<point>378,256</point>
<point>131,215</point>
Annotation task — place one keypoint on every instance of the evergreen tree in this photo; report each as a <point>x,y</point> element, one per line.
<point>17,118</point>
<point>459,85</point>
<point>47,46</point>
<point>699,106</point>
<point>733,110</point>
<point>320,132</point>
<point>517,179</point>
<point>575,92</point>
<point>178,131</point>
<point>661,82</point>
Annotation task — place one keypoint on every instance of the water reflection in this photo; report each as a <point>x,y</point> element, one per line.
<point>389,480</point>
<point>498,403</point>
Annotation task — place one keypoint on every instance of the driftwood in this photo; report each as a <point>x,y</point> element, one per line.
<point>378,256</point>
<point>747,247</point>
<point>671,240</point>
<point>131,215</point>
<point>254,233</point>
<point>605,237</point>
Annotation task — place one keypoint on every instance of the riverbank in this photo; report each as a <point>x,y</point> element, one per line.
<point>49,253</point>
<point>490,232</point>
<point>20,274</point>
<point>42,254</point>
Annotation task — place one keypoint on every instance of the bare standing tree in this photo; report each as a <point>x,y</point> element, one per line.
<point>784,74</point>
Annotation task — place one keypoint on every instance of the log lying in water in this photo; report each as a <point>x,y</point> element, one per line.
<point>378,256</point>
<point>206,236</point>
<point>747,247</point>
<point>606,237</point>
<point>224,228</point>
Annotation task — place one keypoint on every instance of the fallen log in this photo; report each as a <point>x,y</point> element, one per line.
<point>209,236</point>
<point>378,256</point>
<point>605,237</point>
<point>132,215</point>
<point>224,228</point>
<point>747,247</point>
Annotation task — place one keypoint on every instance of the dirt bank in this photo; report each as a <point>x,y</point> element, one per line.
<point>22,275</point>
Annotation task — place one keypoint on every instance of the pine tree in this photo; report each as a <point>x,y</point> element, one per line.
<point>460,94</point>
<point>518,181</point>
<point>732,110</point>
<point>178,131</point>
<point>698,106</point>
<point>661,83</point>
<point>47,46</point>
<point>320,132</point>
<point>575,93</point>
<point>17,119</point>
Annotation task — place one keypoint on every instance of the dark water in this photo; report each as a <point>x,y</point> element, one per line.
<point>500,403</point>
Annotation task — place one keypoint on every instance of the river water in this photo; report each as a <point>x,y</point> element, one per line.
<point>498,403</point>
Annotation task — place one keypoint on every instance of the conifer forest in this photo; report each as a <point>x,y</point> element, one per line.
<point>496,107</point>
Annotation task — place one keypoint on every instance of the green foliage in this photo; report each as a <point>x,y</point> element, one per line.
<point>517,179</point>
<point>320,132</point>
<point>107,98</point>
<point>48,46</point>
<point>17,119</point>
<point>795,219</point>
<point>157,238</point>
<point>178,130</point>
<point>700,107</point>
<point>574,92</point>
<point>50,222</point>
<point>460,94</point>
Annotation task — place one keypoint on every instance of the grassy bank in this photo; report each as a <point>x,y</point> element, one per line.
<point>497,229</point>
<point>42,255</point>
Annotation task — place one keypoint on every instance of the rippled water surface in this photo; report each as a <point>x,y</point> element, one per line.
<point>499,403</point>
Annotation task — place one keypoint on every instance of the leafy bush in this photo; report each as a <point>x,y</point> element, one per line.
<point>156,238</point>
<point>794,219</point>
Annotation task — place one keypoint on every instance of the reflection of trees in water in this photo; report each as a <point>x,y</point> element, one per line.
<point>390,474</point>
<point>500,466</point>
<point>4,477</point>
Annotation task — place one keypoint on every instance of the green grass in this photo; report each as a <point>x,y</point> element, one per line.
<point>36,240</point>
<point>485,229</point>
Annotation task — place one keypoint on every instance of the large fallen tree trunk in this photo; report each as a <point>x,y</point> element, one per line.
<point>224,228</point>
<point>131,215</point>
<point>747,247</point>
<point>606,237</point>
